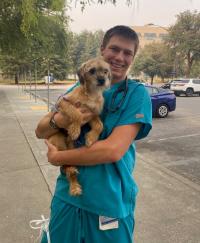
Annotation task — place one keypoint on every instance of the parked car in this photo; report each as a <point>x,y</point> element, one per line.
<point>163,101</point>
<point>167,85</point>
<point>186,86</point>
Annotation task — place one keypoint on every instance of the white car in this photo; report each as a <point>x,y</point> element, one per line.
<point>186,86</point>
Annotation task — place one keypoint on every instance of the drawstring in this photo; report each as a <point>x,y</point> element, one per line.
<point>43,225</point>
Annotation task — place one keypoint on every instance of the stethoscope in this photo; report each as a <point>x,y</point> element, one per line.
<point>122,88</point>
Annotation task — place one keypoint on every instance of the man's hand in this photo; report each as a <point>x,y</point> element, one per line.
<point>51,153</point>
<point>86,115</point>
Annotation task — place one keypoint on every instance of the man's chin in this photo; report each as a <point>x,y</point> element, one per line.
<point>117,77</point>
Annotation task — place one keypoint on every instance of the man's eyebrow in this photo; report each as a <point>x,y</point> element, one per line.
<point>126,50</point>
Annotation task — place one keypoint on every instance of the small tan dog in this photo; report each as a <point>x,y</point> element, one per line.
<point>94,76</point>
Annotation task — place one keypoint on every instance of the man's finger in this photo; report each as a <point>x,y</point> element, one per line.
<point>49,145</point>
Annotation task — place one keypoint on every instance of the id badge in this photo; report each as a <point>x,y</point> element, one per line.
<point>106,223</point>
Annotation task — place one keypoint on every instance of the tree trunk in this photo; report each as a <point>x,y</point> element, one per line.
<point>16,79</point>
<point>189,65</point>
<point>152,80</point>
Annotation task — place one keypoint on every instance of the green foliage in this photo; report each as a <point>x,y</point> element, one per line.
<point>85,45</point>
<point>195,70</point>
<point>35,31</point>
<point>184,38</point>
<point>29,30</point>
<point>85,3</point>
<point>154,59</point>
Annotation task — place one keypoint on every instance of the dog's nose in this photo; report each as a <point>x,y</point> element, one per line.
<point>101,81</point>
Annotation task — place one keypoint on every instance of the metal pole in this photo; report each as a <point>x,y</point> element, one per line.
<point>48,73</point>
<point>35,79</point>
<point>25,80</point>
<point>30,83</point>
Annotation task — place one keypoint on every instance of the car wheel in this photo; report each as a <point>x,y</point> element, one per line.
<point>162,111</point>
<point>177,93</point>
<point>189,92</point>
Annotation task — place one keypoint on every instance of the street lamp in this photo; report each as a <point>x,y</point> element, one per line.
<point>156,25</point>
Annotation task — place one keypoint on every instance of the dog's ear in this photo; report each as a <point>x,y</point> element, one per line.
<point>109,75</point>
<point>80,73</point>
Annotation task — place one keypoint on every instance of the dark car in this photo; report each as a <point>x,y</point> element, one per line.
<point>163,101</point>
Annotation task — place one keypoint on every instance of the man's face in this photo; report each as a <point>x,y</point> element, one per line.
<point>119,53</point>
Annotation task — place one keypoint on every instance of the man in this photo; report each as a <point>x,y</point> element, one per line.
<point>105,211</point>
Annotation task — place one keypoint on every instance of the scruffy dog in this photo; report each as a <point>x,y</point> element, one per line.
<point>94,77</point>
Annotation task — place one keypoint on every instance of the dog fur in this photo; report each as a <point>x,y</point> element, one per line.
<point>94,76</point>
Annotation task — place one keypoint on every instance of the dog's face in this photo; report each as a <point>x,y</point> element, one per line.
<point>95,75</point>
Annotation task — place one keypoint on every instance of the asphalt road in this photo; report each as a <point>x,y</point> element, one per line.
<point>174,142</point>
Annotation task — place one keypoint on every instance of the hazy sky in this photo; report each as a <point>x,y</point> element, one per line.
<point>159,12</point>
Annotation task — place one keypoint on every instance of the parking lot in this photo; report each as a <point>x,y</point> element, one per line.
<point>174,142</point>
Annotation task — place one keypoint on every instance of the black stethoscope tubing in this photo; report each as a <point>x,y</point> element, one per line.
<point>120,89</point>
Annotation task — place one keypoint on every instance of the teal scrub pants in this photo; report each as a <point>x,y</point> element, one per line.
<point>69,224</point>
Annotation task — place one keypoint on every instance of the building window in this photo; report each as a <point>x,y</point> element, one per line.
<point>163,36</point>
<point>150,36</point>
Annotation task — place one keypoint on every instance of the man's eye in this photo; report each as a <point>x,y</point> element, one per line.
<point>128,53</point>
<point>115,49</point>
<point>92,71</point>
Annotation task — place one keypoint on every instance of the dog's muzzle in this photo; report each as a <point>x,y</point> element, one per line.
<point>100,82</point>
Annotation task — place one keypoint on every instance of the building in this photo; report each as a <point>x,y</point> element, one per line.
<point>150,33</point>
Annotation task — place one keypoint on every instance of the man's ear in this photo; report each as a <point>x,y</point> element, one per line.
<point>102,49</point>
<point>81,73</point>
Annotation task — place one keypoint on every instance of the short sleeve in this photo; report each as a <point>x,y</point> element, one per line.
<point>138,110</point>
<point>54,107</point>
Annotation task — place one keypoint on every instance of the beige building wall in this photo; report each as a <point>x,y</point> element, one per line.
<point>150,33</point>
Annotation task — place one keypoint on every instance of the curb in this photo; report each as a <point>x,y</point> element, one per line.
<point>170,173</point>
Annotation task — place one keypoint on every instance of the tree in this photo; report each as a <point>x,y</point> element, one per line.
<point>154,59</point>
<point>32,30</point>
<point>184,38</point>
<point>85,45</point>
<point>84,3</point>
<point>195,70</point>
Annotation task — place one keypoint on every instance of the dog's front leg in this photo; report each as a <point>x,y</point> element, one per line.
<point>73,116</point>
<point>96,129</point>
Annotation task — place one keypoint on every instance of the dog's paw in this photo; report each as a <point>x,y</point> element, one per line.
<point>71,170</point>
<point>90,139</point>
<point>74,131</point>
<point>75,190</point>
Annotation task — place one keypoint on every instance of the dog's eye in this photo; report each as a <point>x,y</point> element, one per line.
<point>105,71</point>
<point>92,71</point>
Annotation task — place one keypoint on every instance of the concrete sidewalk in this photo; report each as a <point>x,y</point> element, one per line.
<point>168,206</point>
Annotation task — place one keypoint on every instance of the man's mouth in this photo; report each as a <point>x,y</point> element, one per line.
<point>116,65</point>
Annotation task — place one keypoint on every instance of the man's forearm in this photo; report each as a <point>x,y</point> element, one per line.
<point>44,130</point>
<point>98,153</point>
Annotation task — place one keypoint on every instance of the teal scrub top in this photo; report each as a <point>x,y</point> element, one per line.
<point>109,189</point>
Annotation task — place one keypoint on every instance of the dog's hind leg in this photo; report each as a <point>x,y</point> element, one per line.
<point>96,129</point>
<point>74,186</point>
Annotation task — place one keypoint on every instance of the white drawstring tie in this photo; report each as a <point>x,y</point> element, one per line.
<point>43,225</point>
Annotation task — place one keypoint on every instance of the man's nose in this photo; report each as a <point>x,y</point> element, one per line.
<point>120,55</point>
